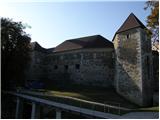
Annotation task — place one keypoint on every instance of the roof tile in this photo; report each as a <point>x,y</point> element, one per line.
<point>131,22</point>
<point>96,41</point>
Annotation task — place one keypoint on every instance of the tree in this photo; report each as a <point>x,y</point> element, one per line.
<point>15,47</point>
<point>153,21</point>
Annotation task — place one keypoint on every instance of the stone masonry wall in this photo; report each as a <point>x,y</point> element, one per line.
<point>85,66</point>
<point>36,69</point>
<point>155,58</point>
<point>147,70</point>
<point>128,65</point>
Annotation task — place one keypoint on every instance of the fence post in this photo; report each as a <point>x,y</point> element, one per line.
<point>35,111</point>
<point>80,106</point>
<point>104,107</point>
<point>108,109</point>
<point>58,114</point>
<point>19,108</point>
<point>119,111</point>
<point>93,107</point>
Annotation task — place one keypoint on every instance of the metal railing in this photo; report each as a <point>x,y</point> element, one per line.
<point>107,106</point>
<point>63,105</point>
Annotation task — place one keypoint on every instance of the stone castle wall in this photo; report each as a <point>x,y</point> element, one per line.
<point>133,71</point>
<point>155,58</point>
<point>128,65</point>
<point>86,66</point>
<point>147,70</point>
<point>36,70</point>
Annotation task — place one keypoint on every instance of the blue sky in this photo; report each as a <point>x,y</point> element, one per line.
<point>53,22</point>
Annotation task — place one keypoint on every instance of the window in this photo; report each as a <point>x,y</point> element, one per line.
<point>77,66</point>
<point>55,67</point>
<point>128,36</point>
<point>66,67</point>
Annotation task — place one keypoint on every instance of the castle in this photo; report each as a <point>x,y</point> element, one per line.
<point>125,64</point>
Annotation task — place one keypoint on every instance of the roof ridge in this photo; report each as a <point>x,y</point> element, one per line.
<point>83,37</point>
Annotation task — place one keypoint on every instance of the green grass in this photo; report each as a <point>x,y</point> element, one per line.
<point>101,95</point>
<point>81,104</point>
<point>94,94</point>
<point>149,109</point>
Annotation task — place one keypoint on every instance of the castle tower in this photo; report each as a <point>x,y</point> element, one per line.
<point>133,68</point>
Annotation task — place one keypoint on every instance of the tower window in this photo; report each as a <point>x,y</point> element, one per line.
<point>77,66</point>
<point>128,36</point>
<point>66,67</point>
<point>55,67</point>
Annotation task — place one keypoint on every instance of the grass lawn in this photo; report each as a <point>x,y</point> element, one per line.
<point>93,94</point>
<point>149,109</point>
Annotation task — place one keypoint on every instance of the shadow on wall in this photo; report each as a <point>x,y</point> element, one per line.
<point>155,57</point>
<point>130,87</point>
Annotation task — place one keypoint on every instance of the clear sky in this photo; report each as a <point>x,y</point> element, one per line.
<point>53,22</point>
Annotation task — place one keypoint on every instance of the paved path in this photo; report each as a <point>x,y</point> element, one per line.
<point>141,115</point>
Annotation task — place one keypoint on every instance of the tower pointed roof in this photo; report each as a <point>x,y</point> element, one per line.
<point>131,22</point>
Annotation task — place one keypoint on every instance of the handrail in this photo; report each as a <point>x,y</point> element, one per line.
<point>65,106</point>
<point>105,104</point>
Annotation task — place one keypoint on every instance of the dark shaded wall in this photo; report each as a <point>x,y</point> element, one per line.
<point>147,68</point>
<point>36,70</point>
<point>93,67</point>
<point>155,57</point>
<point>130,76</point>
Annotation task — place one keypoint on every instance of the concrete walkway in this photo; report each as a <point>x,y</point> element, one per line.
<point>141,115</point>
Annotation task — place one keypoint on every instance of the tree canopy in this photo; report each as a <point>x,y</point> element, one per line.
<point>15,47</point>
<point>153,21</point>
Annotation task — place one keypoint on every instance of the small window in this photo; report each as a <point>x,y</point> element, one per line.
<point>128,36</point>
<point>66,67</point>
<point>77,66</point>
<point>55,67</point>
